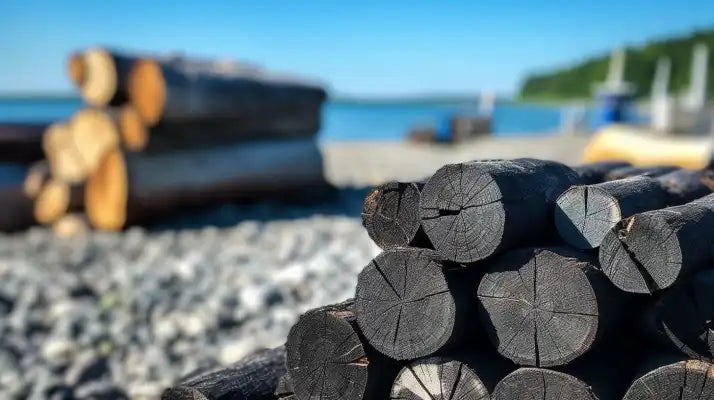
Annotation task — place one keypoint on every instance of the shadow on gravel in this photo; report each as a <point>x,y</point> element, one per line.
<point>346,202</point>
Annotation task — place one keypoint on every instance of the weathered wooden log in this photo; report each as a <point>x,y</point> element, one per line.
<point>679,380</point>
<point>182,89</point>
<point>627,172</point>
<point>595,172</point>
<point>650,251</point>
<point>390,214</point>
<point>16,207</point>
<point>682,317</point>
<point>685,185</point>
<point>127,188</point>
<point>540,383</point>
<point>254,377</point>
<point>170,136</point>
<point>21,142</point>
<point>468,373</point>
<point>585,213</point>
<point>63,157</point>
<point>547,307</point>
<point>409,305</point>
<point>100,74</point>
<point>57,198</point>
<point>70,225</point>
<point>37,175</point>
<point>327,358</point>
<point>94,133</point>
<point>285,390</point>
<point>473,210</point>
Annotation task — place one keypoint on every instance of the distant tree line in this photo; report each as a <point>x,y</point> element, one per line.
<point>578,81</point>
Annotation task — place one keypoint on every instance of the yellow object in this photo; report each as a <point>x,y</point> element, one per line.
<point>640,148</point>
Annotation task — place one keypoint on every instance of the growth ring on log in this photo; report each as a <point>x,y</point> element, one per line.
<point>326,359</point>
<point>539,307</point>
<point>684,380</point>
<point>100,78</point>
<point>641,254</point>
<point>390,214</point>
<point>438,379</point>
<point>584,214</point>
<point>403,304</point>
<point>106,192</point>
<point>538,383</point>
<point>147,89</point>
<point>467,204</point>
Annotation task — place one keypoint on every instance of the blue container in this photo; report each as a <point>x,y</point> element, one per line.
<point>613,108</point>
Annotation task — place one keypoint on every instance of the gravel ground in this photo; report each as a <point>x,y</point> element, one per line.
<point>125,315</point>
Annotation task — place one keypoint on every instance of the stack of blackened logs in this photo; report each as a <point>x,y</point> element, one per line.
<point>161,133</point>
<point>534,280</point>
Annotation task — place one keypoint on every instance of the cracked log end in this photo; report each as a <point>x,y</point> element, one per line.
<point>99,77</point>
<point>584,214</point>
<point>537,383</point>
<point>325,358</point>
<point>403,304</point>
<point>438,379</point>
<point>685,380</point>
<point>462,213</point>
<point>390,214</point>
<point>539,307</point>
<point>641,254</point>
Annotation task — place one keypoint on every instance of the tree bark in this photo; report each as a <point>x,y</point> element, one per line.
<point>328,358</point>
<point>390,214</point>
<point>21,142</point>
<point>254,377</point>
<point>651,251</point>
<point>409,305</point>
<point>627,172</point>
<point>682,317</point>
<point>129,188</point>
<point>547,307</point>
<point>584,214</point>
<point>685,185</point>
<point>474,210</point>
<point>595,172</point>
<point>684,379</point>
<point>182,89</point>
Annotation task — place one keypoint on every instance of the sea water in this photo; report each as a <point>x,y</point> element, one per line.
<point>347,120</point>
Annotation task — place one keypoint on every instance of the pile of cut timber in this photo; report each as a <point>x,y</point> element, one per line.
<point>163,133</point>
<point>511,279</point>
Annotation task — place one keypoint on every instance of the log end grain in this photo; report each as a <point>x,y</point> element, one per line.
<point>62,156</point>
<point>75,69</point>
<point>438,378</point>
<point>690,379</point>
<point>539,307</point>
<point>538,383</point>
<point>70,225</point>
<point>390,214</point>
<point>100,78</point>
<point>52,202</point>
<point>147,90</point>
<point>134,134</point>
<point>37,176</point>
<point>94,133</point>
<point>325,358</point>
<point>403,304</point>
<point>459,203</point>
<point>107,191</point>
<point>641,254</point>
<point>584,214</point>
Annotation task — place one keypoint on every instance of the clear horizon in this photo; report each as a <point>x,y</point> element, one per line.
<point>366,49</point>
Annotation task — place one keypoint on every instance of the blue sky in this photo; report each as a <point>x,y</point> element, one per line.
<point>369,48</point>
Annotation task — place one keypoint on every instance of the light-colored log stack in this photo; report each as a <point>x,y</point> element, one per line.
<point>162,133</point>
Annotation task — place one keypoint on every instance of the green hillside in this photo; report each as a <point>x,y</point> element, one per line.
<point>577,81</point>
